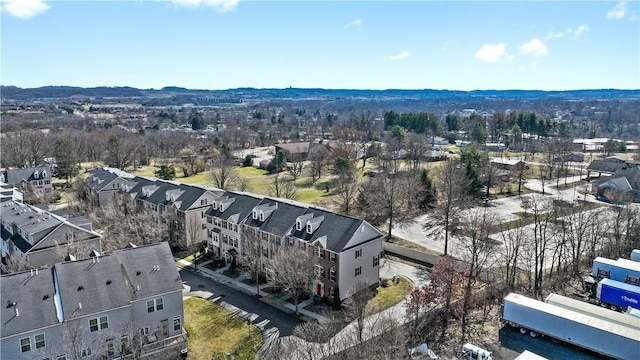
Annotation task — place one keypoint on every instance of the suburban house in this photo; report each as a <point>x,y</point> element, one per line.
<point>297,151</point>
<point>34,237</point>
<point>126,304</point>
<point>103,184</point>
<point>434,155</point>
<point>508,164</point>
<point>348,248</point>
<point>623,186</point>
<point>608,166</point>
<point>39,178</point>
<point>9,193</point>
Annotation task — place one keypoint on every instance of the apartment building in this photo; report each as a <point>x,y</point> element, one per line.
<point>127,304</point>
<point>39,178</point>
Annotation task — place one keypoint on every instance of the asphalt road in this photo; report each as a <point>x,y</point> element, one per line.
<point>279,319</point>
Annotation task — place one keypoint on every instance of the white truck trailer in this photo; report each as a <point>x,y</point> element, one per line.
<point>573,327</point>
<point>594,310</point>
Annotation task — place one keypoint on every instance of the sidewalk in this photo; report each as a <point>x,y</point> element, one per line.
<point>237,284</point>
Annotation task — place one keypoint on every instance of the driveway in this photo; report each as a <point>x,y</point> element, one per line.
<point>278,319</point>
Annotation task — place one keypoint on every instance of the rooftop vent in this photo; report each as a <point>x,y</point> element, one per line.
<point>80,288</point>
<point>11,304</point>
<point>138,273</point>
<point>45,297</point>
<point>108,282</point>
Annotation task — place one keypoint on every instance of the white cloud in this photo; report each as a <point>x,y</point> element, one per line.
<point>618,12</point>
<point>491,52</point>
<point>534,47</point>
<point>551,35</point>
<point>403,55</point>
<point>579,31</point>
<point>24,9</point>
<point>354,23</point>
<point>218,5</point>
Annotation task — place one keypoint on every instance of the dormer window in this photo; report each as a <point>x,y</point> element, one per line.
<point>309,228</point>
<point>35,174</point>
<point>299,225</point>
<point>261,216</point>
<point>255,215</point>
<point>221,207</point>
<point>44,173</point>
<point>215,205</point>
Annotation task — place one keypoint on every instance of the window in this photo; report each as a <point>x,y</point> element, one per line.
<point>85,352</point>
<point>332,257</point>
<point>224,224</point>
<point>332,274</point>
<point>203,202</point>
<point>25,344</point>
<point>290,241</point>
<point>376,260</point>
<point>235,227</point>
<point>40,343</point>
<point>61,357</point>
<point>204,226</point>
<point>299,225</point>
<point>265,236</point>
<point>358,270</point>
<point>176,323</point>
<point>332,292</point>
<point>320,252</point>
<point>225,239</point>
<point>603,274</point>
<point>319,270</point>
<point>358,253</point>
<point>98,323</point>
<point>309,228</point>
<point>202,214</point>
<point>155,305</point>
<point>144,331</point>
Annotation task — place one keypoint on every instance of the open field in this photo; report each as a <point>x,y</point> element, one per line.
<point>214,332</point>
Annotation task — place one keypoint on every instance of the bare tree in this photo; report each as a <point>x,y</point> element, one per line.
<point>513,241</point>
<point>283,188</point>
<point>252,253</point>
<point>223,174</point>
<point>417,147</point>
<point>122,148</point>
<point>295,164</point>
<point>477,250</point>
<point>357,306</point>
<point>451,185</point>
<point>318,160</point>
<point>293,270</point>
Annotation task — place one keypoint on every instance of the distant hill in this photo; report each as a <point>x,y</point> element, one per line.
<point>13,92</point>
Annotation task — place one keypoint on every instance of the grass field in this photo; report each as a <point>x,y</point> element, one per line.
<point>391,295</point>
<point>214,332</point>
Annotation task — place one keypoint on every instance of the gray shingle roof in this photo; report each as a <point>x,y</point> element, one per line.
<point>14,176</point>
<point>338,229</point>
<point>33,296</point>
<point>281,219</point>
<point>242,206</point>
<point>116,280</point>
<point>604,166</point>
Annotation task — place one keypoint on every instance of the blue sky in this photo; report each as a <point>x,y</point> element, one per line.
<point>221,44</point>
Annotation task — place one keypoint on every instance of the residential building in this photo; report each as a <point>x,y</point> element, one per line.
<point>608,166</point>
<point>34,237</point>
<point>348,248</point>
<point>10,193</point>
<point>103,184</point>
<point>180,208</point>
<point>297,151</point>
<point>623,186</point>
<point>126,303</point>
<point>39,178</point>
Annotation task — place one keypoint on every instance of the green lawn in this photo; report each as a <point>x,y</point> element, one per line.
<point>391,295</point>
<point>250,171</point>
<point>214,332</point>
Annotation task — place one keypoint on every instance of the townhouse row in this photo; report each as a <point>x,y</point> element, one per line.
<point>348,248</point>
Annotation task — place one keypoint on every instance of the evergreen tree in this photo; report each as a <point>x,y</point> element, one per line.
<point>66,160</point>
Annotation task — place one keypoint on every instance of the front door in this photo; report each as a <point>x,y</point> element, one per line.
<point>319,289</point>
<point>164,325</point>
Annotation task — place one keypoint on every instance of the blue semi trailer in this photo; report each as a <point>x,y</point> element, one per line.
<point>624,271</point>
<point>617,295</point>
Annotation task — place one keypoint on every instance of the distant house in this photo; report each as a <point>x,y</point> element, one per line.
<point>39,178</point>
<point>36,237</point>
<point>608,166</point>
<point>264,164</point>
<point>508,164</point>
<point>125,305</point>
<point>493,146</point>
<point>297,151</point>
<point>623,186</point>
<point>434,155</point>
<point>348,248</point>
<point>573,157</point>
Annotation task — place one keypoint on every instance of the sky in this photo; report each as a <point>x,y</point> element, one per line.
<point>223,44</point>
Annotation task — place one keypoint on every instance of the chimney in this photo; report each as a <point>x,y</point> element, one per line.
<point>79,305</point>
<point>17,312</point>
